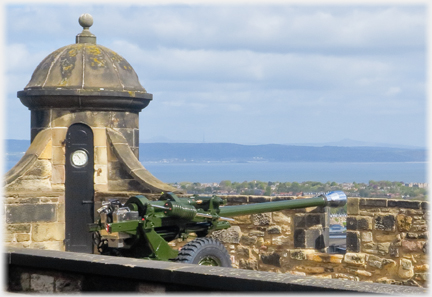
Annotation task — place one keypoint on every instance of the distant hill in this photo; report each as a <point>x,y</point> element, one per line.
<point>201,152</point>
<point>229,152</point>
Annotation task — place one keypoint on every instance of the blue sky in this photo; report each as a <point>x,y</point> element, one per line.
<point>248,74</point>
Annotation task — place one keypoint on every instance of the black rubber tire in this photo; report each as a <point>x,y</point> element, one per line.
<point>199,250</point>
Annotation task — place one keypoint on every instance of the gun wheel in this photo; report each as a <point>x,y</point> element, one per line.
<point>204,251</point>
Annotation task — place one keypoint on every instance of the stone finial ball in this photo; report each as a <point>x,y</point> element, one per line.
<point>86,20</point>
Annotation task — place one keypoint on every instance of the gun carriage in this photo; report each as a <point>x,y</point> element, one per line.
<point>141,228</point>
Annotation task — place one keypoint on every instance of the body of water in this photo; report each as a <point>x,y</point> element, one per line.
<point>295,171</point>
<point>283,172</point>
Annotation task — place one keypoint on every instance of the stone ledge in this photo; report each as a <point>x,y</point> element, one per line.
<point>187,276</point>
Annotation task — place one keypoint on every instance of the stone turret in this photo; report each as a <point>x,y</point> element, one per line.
<point>84,101</point>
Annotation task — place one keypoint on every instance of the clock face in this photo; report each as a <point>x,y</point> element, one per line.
<point>79,158</point>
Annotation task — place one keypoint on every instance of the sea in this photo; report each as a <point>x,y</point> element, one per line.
<point>340,172</point>
<point>406,172</point>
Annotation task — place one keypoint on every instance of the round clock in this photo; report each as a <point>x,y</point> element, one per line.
<point>79,158</point>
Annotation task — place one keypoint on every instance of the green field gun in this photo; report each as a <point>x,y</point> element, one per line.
<point>141,228</point>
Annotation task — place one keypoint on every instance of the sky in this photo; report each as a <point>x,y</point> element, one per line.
<point>248,74</point>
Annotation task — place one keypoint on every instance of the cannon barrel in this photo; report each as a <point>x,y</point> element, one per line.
<point>333,199</point>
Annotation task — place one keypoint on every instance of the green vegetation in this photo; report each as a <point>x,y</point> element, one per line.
<point>375,189</point>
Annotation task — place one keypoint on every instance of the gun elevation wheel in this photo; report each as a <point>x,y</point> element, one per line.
<point>204,251</point>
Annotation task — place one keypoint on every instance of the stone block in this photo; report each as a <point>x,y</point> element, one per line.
<point>230,235</point>
<point>22,237</point>
<point>383,247</point>
<point>58,136</point>
<point>248,240</point>
<point>282,198</point>
<point>299,221</point>
<point>58,155</point>
<point>101,157</point>
<point>18,228</point>
<point>48,245</point>
<point>124,119</point>
<point>281,218</point>
<point>421,276</point>
<point>128,134</point>
<point>61,212</point>
<point>384,222</point>
<point>48,232</point>
<point>419,228</point>
<point>41,283</point>
<point>243,219</point>
<point>394,251</point>
<point>259,199</point>
<point>248,264</point>
<point>99,137</point>
<point>363,273</point>
<point>406,269</point>
<point>421,268</point>
<point>237,199</point>
<point>136,138</point>
<point>366,203</point>
<point>70,284</point>
<point>116,171</point>
<point>314,239</point>
<point>310,269</point>
<point>412,246</point>
<point>351,223</point>
<point>62,118</point>
<point>261,219</point>
<point>404,222</point>
<point>314,219</point>
<point>274,230</point>
<point>423,235</point>
<point>375,261</point>
<point>100,174</point>
<point>58,174</point>
<point>47,152</point>
<point>353,205</point>
<point>30,213</point>
<point>364,223</point>
<point>299,238</point>
<point>257,233</point>
<point>353,241</point>
<point>411,235</point>
<point>281,240</point>
<point>40,118</point>
<point>243,251</point>
<point>271,259</point>
<point>425,205</point>
<point>41,169</point>
<point>366,236</point>
<point>300,254</point>
<point>370,245</point>
<point>94,118</point>
<point>384,237</point>
<point>404,204</point>
<point>355,258</point>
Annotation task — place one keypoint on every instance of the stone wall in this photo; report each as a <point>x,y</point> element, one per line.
<point>386,242</point>
<point>264,241</point>
<point>386,239</point>
<point>34,221</point>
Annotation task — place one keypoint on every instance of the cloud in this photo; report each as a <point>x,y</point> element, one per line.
<point>270,73</point>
